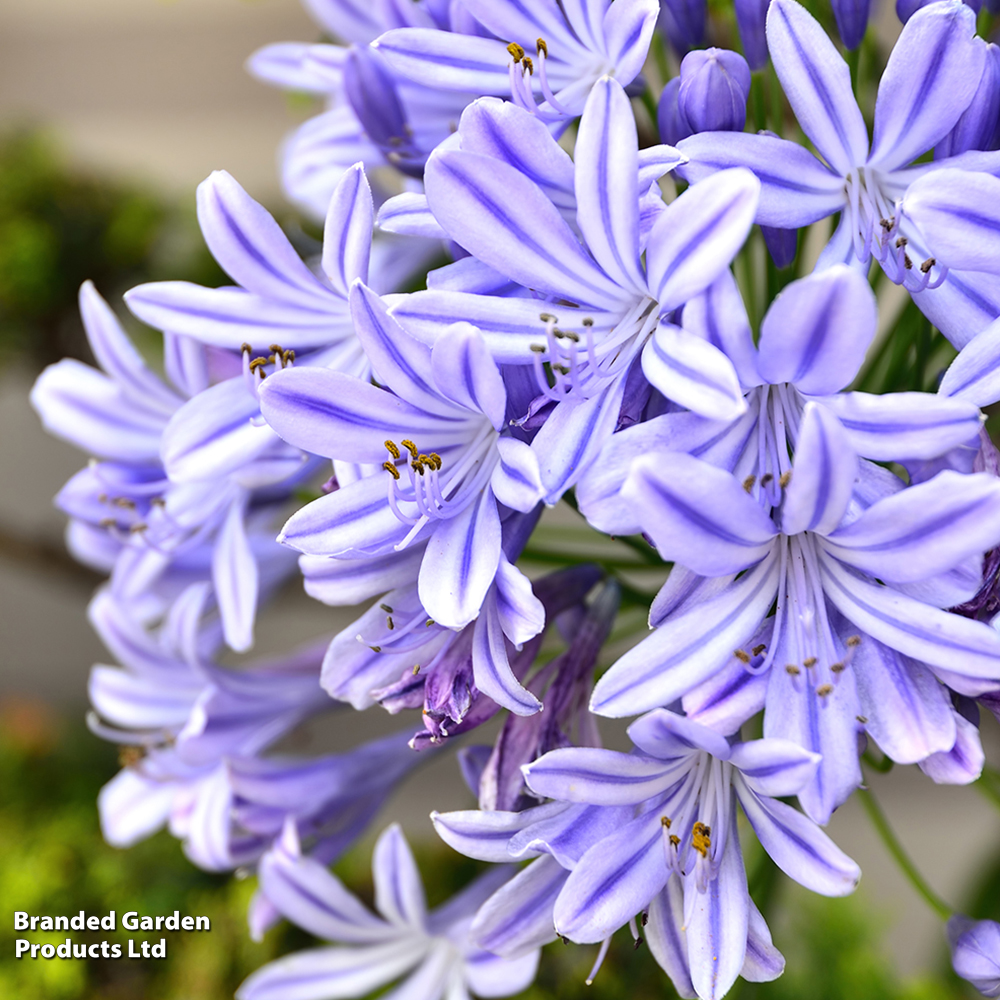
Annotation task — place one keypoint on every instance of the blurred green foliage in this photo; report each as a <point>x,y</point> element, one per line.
<point>54,861</point>
<point>60,226</point>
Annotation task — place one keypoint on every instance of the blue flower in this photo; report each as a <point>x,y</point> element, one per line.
<point>975,952</point>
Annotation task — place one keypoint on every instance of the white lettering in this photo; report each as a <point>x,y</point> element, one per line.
<point>132,953</point>
<point>20,947</point>
<point>160,950</point>
<point>20,920</point>
<point>198,921</point>
<point>108,922</point>
<point>48,951</point>
<point>130,921</point>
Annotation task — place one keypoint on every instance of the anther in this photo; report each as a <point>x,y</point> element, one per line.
<point>793,670</point>
<point>516,52</point>
<point>786,478</point>
<point>541,48</point>
<point>907,263</point>
<point>701,839</point>
<point>410,447</point>
<point>158,502</point>
<point>391,469</point>
<point>416,669</point>
<point>809,661</point>
<point>130,756</point>
<point>390,446</point>
<point>246,349</point>
<point>529,65</point>
<point>757,650</point>
<point>854,640</point>
<point>375,649</point>
<point>824,690</point>
<point>138,529</point>
<point>276,348</point>
<point>386,608</point>
<point>638,941</point>
<point>901,242</point>
<point>644,918</point>
<point>665,822</point>
<point>568,334</point>
<point>257,364</point>
<point>766,478</point>
<point>748,483</point>
<point>863,719</point>
<point>587,321</point>
<point>885,224</point>
<point>547,318</point>
<point>389,623</point>
<point>417,466</point>
<point>742,655</point>
<point>539,348</point>
<point>430,622</point>
<point>675,840</point>
<point>927,265</point>
<point>837,668</point>
<point>107,522</point>
<point>288,357</point>
<point>562,369</point>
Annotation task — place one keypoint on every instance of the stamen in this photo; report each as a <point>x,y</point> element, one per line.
<point>809,661</point>
<point>786,478</point>
<point>757,650</point>
<point>600,960</point>
<point>927,265</point>
<point>410,447</point>
<point>541,48</point>
<point>391,469</point>
<point>824,690</point>
<point>701,839</point>
<point>516,52</point>
<point>748,483</point>
<point>742,655</point>
<point>386,608</point>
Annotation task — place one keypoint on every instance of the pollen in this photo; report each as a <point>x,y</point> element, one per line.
<point>809,661</point>
<point>793,670</point>
<point>742,655</point>
<point>130,756</point>
<point>675,840</point>
<point>786,478</point>
<point>854,640</point>
<point>410,447</point>
<point>416,669</point>
<point>748,483</point>
<point>824,690</point>
<point>541,47</point>
<point>665,822</point>
<point>391,469</point>
<point>516,52</point>
<point>838,667</point>
<point>701,838</point>
<point>529,65</point>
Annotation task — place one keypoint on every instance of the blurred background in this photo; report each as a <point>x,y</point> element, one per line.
<point>111,112</point>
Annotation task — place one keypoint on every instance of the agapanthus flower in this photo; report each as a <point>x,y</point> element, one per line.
<point>975,952</point>
<point>715,85</point>
<point>156,535</point>
<point>860,568</point>
<point>593,309</point>
<point>654,833</point>
<point>564,48</point>
<point>862,181</point>
<point>431,949</point>
<point>448,492</point>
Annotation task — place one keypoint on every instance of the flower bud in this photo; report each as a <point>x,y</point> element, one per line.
<point>852,20</point>
<point>683,22</point>
<point>905,9</point>
<point>673,125</point>
<point>715,84</point>
<point>979,126</point>
<point>975,952</point>
<point>751,16</point>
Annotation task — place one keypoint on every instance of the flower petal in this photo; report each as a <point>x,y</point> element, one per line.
<point>773,767</point>
<point>698,515</point>
<point>235,578</point>
<point>465,373</point>
<point>817,82</point>
<point>667,937</point>
<point>347,237</point>
<point>399,893</point>
<point>491,666</point>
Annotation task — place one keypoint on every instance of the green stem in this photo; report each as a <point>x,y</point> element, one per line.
<point>853,60</point>
<point>895,848</point>
<point>883,766</point>
<point>989,785</point>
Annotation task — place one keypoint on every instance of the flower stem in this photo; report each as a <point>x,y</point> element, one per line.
<point>896,849</point>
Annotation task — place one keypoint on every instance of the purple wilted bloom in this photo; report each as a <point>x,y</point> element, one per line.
<point>975,952</point>
<point>154,534</point>
<point>565,683</point>
<point>852,20</point>
<point>683,22</point>
<point>431,949</point>
<point>715,85</point>
<point>860,569</point>
<point>595,310</point>
<point>863,181</point>
<point>564,48</point>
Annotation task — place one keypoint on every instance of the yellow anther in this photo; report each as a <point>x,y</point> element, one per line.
<point>410,447</point>
<point>809,661</point>
<point>675,840</point>
<point>138,529</point>
<point>246,349</point>
<point>516,52</point>
<point>416,669</point>
<point>541,47</point>
<point>288,357</point>
<point>793,670</point>
<point>824,690</point>
<point>391,469</point>
<point>547,318</point>
<point>748,483</point>
<point>417,466</point>
<point>587,321</point>
<point>666,822</point>
<point>276,349</point>
<point>130,756</point>
<point>701,839</point>
<point>390,446</point>
<point>757,650</point>
<point>786,478</point>
<point>854,640</point>
<point>529,65</point>
<point>434,460</point>
<point>430,622</point>
<point>742,655</point>
<point>836,668</point>
<point>257,364</point>
<point>375,649</point>
<point>538,348</point>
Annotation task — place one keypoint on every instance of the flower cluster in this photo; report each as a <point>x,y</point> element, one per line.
<point>824,511</point>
